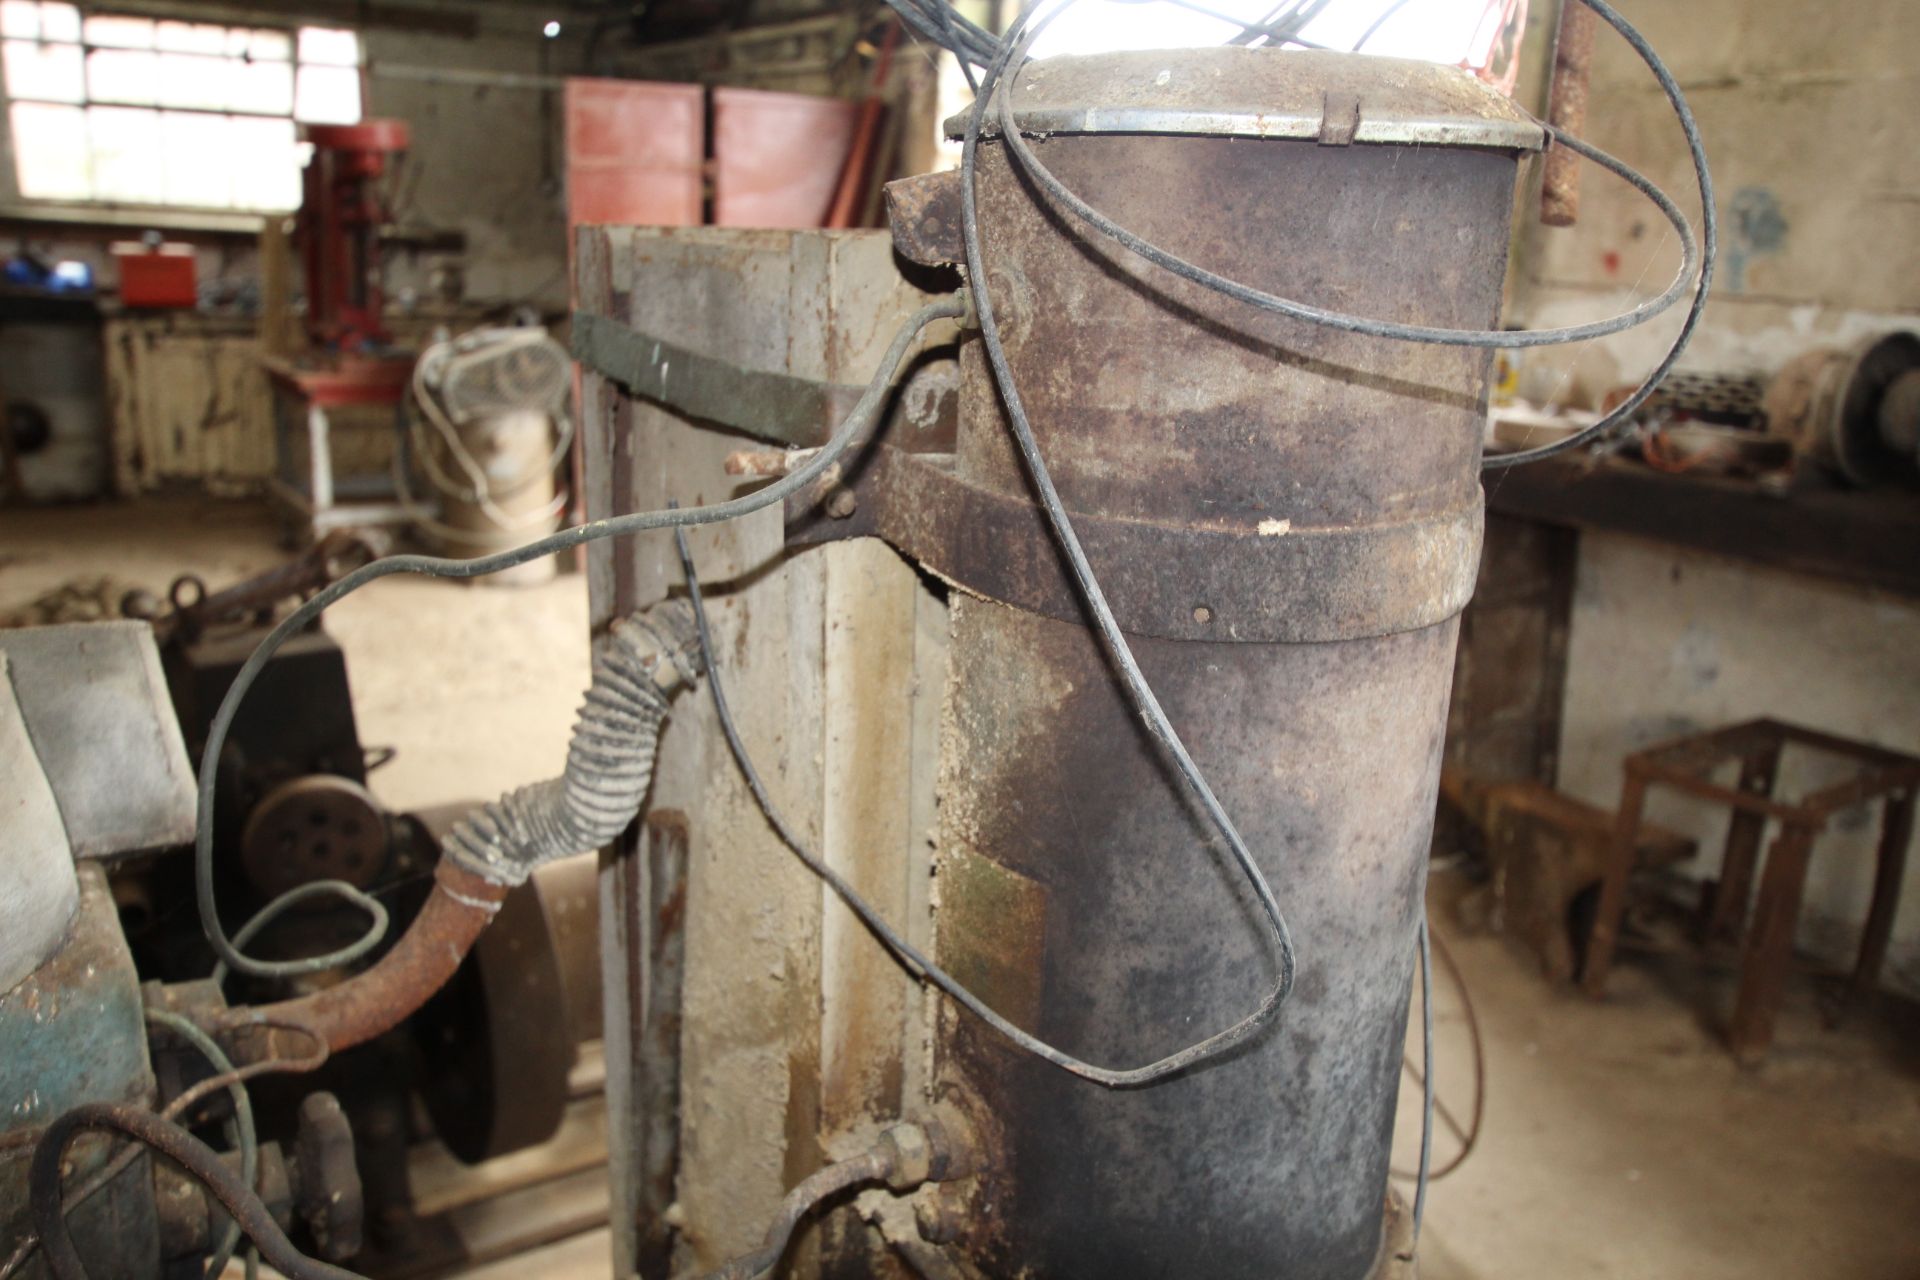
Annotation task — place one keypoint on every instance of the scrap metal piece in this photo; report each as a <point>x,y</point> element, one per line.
<point>771,406</point>
<point>924,213</point>
<point>329,1198</point>
<point>96,705</point>
<point>194,608</point>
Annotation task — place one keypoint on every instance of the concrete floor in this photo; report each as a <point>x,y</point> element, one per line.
<point>1619,1141</point>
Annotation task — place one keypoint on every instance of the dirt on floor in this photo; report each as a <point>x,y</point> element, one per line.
<point>1619,1139</point>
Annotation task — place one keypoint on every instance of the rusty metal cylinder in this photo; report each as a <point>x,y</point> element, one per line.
<point>1288,519</point>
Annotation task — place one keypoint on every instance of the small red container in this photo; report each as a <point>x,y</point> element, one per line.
<point>159,277</point>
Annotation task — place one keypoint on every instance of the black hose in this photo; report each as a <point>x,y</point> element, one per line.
<point>243,1132</point>
<point>812,1191</point>
<point>185,1150</point>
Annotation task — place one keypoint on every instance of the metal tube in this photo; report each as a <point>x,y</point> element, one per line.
<point>1078,892</point>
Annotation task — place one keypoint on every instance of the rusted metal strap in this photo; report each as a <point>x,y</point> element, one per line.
<point>1263,583</point>
<point>771,406</point>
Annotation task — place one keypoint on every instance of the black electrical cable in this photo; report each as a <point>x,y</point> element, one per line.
<point>1698,256</point>
<point>244,1133</point>
<point>1018,148</point>
<point>1258,30</point>
<point>185,1150</point>
<point>908,954</point>
<point>850,432</point>
<point>1373,28</point>
<point>1274,17</point>
<point>1469,1133</point>
<point>1105,625</point>
<point>1426,1082</point>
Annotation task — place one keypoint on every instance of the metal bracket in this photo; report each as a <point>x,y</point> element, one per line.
<point>1265,583</point>
<point>1268,582</point>
<point>1339,118</point>
<point>772,406</point>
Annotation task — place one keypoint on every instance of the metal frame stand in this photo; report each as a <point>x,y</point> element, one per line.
<point>1687,764</point>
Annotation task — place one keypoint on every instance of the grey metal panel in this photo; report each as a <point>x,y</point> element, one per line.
<point>796,1032</point>
<point>97,707</point>
<point>38,893</point>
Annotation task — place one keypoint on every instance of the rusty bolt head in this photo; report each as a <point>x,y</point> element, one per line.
<point>939,1214</point>
<point>841,503</point>
<point>910,1156</point>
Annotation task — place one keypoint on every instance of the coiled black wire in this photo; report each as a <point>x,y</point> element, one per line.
<point>1698,256</point>
<point>1106,626</point>
<point>850,432</point>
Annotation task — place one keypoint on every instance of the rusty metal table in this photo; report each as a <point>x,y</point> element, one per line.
<point>1687,764</point>
<point>307,482</point>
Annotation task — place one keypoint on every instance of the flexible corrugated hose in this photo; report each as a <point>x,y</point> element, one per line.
<point>645,660</point>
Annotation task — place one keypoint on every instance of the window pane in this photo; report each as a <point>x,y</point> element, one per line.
<point>189,80</point>
<point>50,151</point>
<point>265,163</point>
<point>20,18</point>
<point>127,159</point>
<point>336,48</point>
<point>59,22</point>
<point>199,159</point>
<point>327,95</point>
<point>123,75</point>
<point>269,46</point>
<point>44,72</point>
<point>120,33</point>
<point>263,88</point>
<point>190,37</point>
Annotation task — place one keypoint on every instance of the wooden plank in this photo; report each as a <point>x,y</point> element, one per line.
<point>1862,537</point>
<point>441,1183</point>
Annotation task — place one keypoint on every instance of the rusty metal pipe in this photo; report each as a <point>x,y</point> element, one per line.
<point>644,660</point>
<point>903,1157</point>
<point>1567,111</point>
<point>353,1012</point>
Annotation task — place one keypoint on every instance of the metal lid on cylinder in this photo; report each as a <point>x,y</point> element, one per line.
<point>1233,91</point>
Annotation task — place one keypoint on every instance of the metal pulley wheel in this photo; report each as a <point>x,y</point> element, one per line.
<point>317,827</point>
<point>1857,409</point>
<point>499,1042</point>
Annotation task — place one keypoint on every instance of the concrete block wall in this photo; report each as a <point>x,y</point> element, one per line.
<point>1807,117</point>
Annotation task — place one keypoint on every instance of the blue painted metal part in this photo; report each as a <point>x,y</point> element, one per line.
<point>74,1032</point>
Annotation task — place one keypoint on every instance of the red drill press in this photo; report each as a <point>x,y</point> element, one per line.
<point>339,231</point>
<point>352,366</point>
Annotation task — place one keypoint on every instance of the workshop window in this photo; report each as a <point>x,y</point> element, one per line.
<point>111,109</point>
